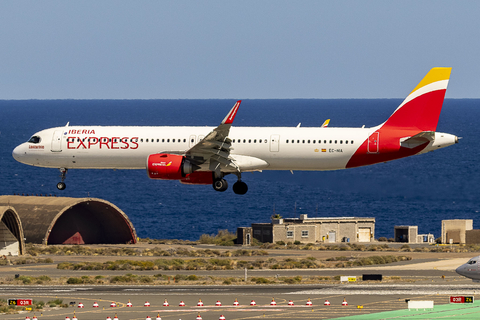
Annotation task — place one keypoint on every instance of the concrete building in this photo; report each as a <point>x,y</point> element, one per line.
<point>311,230</point>
<point>454,231</point>
<point>62,220</point>
<point>12,241</point>
<point>409,234</point>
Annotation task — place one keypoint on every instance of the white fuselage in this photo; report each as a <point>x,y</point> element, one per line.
<point>253,148</point>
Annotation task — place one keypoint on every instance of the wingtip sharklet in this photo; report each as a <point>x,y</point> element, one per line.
<point>233,112</point>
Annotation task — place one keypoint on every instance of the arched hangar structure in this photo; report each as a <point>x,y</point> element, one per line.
<point>11,232</point>
<point>62,220</point>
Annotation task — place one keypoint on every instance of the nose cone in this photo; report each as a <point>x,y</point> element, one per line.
<point>19,153</point>
<point>460,270</point>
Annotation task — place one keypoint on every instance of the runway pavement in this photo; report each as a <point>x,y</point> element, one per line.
<point>422,279</point>
<point>372,299</point>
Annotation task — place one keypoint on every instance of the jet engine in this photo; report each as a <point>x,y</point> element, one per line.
<point>169,166</point>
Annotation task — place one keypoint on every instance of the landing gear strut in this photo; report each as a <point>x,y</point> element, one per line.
<point>62,185</point>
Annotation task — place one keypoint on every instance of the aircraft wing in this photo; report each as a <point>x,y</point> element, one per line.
<point>216,145</point>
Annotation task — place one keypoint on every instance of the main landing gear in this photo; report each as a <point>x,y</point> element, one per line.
<point>62,185</point>
<point>239,187</point>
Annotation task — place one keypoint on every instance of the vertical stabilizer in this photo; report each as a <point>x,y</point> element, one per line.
<point>421,109</point>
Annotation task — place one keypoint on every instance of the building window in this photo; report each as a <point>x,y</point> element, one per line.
<point>304,233</point>
<point>257,232</point>
<point>289,234</point>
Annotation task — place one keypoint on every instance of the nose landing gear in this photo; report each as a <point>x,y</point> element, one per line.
<point>62,185</point>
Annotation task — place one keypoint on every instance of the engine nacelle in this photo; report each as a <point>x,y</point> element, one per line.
<point>168,166</point>
<point>198,177</point>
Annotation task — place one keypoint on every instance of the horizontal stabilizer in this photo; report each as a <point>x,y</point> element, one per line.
<point>418,139</point>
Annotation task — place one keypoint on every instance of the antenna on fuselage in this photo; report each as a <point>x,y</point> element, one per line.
<point>67,124</point>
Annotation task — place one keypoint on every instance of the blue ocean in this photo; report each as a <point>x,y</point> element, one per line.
<point>420,190</point>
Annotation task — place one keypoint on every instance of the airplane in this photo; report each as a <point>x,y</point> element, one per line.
<point>205,155</point>
<point>471,269</point>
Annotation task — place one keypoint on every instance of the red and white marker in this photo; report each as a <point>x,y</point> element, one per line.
<point>34,317</point>
<point>344,302</point>
<point>158,317</point>
<point>95,305</point>
<point>181,304</point>
<point>290,303</point>
<point>218,304</point>
<point>165,303</point>
<point>115,318</point>
<point>80,305</point>
<point>326,303</point>
<point>74,317</point>
<point>199,303</point>
<point>235,303</point>
<point>309,303</point>
<point>146,304</point>
<point>67,318</point>
<point>148,318</point>
<point>27,318</point>
<point>253,303</point>
<point>108,318</point>
<point>221,317</point>
<point>273,303</point>
<point>198,317</point>
<point>113,305</point>
<point>129,304</point>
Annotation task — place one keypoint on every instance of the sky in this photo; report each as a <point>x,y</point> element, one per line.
<point>235,49</point>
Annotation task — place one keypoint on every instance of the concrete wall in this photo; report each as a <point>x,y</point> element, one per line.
<point>456,230</point>
<point>472,236</point>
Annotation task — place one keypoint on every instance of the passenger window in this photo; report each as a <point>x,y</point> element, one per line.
<point>335,141</point>
<point>163,140</point>
<point>244,141</point>
<point>313,141</point>
<point>255,141</point>
<point>168,140</point>
<point>184,140</point>
<point>286,141</point>
<point>341,141</point>
<point>141,140</point>
<point>308,141</point>
<point>351,142</point>
<point>298,141</point>
<point>260,140</point>
<point>346,141</point>
<point>249,140</point>
<point>173,140</point>
<point>330,141</point>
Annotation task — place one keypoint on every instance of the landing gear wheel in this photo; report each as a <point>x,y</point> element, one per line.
<point>240,187</point>
<point>220,185</point>
<point>63,173</point>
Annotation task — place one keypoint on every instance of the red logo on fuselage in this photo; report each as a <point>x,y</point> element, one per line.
<point>102,143</point>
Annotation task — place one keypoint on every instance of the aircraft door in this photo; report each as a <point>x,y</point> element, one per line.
<point>57,141</point>
<point>192,141</point>
<point>373,143</point>
<point>274,142</point>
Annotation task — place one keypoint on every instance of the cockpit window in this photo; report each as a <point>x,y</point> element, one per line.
<point>34,139</point>
<point>472,261</point>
